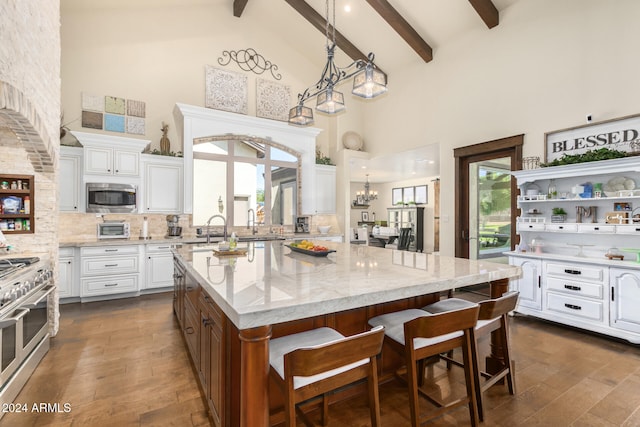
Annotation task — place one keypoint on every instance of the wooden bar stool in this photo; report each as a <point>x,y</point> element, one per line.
<point>312,363</point>
<point>493,317</point>
<point>419,335</point>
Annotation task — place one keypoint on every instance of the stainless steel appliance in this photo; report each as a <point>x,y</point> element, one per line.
<point>114,230</point>
<point>25,284</point>
<point>111,198</point>
<point>174,231</point>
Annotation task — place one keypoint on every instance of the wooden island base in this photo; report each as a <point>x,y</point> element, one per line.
<point>240,361</point>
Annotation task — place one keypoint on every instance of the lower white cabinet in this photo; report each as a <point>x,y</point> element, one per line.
<point>625,299</point>
<point>599,296</point>
<point>67,276</point>
<point>529,285</point>
<point>158,266</point>
<point>109,270</point>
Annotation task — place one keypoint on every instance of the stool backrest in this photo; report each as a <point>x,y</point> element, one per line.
<point>442,323</point>
<point>315,360</point>
<point>490,309</point>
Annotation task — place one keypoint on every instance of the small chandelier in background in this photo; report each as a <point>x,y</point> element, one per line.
<point>364,197</point>
<point>368,81</point>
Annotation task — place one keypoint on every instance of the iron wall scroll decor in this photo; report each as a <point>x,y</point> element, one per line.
<point>249,60</point>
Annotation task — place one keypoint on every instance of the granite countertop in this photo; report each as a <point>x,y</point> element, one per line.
<point>74,242</point>
<point>272,284</point>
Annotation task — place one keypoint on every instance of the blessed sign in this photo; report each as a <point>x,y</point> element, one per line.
<point>620,134</point>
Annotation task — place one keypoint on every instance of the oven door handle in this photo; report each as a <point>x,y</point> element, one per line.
<point>8,321</point>
<point>40,296</point>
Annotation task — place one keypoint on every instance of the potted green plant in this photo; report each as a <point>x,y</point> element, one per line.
<point>558,215</point>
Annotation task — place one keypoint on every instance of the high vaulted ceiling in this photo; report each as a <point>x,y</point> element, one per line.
<point>399,32</point>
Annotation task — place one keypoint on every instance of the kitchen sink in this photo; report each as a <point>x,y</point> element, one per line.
<point>260,238</point>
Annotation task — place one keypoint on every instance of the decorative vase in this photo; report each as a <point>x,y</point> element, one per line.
<point>165,144</point>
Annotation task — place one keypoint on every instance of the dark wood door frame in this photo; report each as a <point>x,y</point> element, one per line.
<point>504,147</point>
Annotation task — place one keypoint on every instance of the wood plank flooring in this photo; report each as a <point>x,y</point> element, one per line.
<point>124,363</point>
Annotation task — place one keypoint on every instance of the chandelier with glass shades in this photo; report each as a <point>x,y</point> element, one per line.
<point>368,81</point>
<point>365,196</point>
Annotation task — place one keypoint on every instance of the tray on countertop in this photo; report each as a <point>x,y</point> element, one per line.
<point>236,252</point>
<point>308,252</point>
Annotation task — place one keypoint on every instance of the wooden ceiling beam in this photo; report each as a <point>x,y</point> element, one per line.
<point>320,23</point>
<point>487,11</point>
<point>238,7</point>
<point>403,28</point>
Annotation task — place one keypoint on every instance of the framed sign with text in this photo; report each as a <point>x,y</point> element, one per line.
<point>621,134</point>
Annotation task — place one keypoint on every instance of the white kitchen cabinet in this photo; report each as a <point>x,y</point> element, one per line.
<point>529,285</point>
<point>70,180</point>
<point>158,266</point>
<point>67,276</point>
<point>109,161</point>
<point>325,194</point>
<point>625,299</point>
<point>109,270</point>
<point>108,155</point>
<point>163,183</point>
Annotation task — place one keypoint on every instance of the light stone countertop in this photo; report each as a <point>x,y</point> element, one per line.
<point>272,284</point>
<point>70,242</point>
<point>628,262</point>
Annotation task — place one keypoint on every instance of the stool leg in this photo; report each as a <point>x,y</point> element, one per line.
<point>412,381</point>
<point>325,410</point>
<point>374,396</point>
<point>469,355</point>
<point>511,379</point>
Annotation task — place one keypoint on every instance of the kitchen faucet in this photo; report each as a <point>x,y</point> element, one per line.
<point>253,215</point>
<point>224,221</point>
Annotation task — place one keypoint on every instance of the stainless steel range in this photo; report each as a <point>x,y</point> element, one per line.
<point>25,284</point>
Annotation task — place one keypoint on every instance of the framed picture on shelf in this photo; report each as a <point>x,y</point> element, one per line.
<point>364,216</point>
<point>421,195</point>
<point>396,196</point>
<point>408,195</point>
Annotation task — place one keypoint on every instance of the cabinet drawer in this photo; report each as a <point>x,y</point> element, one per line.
<point>161,247</point>
<point>573,287</point>
<point>109,285</point>
<point>109,265</point>
<point>571,228</point>
<point>65,252</point>
<point>628,229</point>
<point>576,272</point>
<point>524,226</point>
<point>575,306</point>
<point>109,250</point>
<point>596,228</point>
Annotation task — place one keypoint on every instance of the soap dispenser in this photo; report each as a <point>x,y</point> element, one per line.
<point>233,241</point>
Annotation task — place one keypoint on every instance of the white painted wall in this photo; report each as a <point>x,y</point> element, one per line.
<point>545,67</point>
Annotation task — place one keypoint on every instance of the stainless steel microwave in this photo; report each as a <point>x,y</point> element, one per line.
<point>111,198</point>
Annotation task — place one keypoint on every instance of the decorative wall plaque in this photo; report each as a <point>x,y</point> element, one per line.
<point>136,108</point>
<point>135,125</point>
<point>114,105</point>
<point>93,103</point>
<point>273,100</point>
<point>226,90</point>
<point>92,120</point>
<point>114,123</point>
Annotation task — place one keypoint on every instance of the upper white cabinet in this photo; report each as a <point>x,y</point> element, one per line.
<point>109,161</point>
<point>111,155</point>
<point>70,179</point>
<point>163,183</point>
<point>325,189</point>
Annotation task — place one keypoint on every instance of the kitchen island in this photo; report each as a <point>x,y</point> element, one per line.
<point>272,291</point>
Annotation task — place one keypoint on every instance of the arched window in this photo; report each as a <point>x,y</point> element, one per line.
<point>234,174</point>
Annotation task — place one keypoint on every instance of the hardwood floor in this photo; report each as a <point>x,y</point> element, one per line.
<point>124,363</point>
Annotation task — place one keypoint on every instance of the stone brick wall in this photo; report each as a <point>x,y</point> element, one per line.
<point>30,60</point>
<point>30,92</point>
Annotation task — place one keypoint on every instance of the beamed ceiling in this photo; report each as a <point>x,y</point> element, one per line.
<point>399,19</point>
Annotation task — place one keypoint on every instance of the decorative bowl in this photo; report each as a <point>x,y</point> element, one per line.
<point>324,229</point>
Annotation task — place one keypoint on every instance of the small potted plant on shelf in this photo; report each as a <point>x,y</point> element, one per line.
<point>558,215</point>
